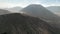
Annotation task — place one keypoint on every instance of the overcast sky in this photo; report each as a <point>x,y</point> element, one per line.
<point>24,3</point>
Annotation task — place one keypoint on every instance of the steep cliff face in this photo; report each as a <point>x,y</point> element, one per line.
<point>16,23</point>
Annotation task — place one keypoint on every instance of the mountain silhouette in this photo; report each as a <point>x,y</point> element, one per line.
<point>16,23</point>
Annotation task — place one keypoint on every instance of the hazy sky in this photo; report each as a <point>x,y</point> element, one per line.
<point>23,3</point>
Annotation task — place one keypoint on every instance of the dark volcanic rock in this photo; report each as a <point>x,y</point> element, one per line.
<point>16,23</point>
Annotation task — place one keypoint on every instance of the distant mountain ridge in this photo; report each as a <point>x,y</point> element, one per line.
<point>54,9</point>
<point>2,11</point>
<point>14,9</point>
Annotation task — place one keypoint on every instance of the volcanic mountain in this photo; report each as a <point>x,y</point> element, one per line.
<point>42,13</point>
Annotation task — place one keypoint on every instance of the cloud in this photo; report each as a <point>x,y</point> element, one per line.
<point>9,5</point>
<point>5,5</point>
<point>53,4</point>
